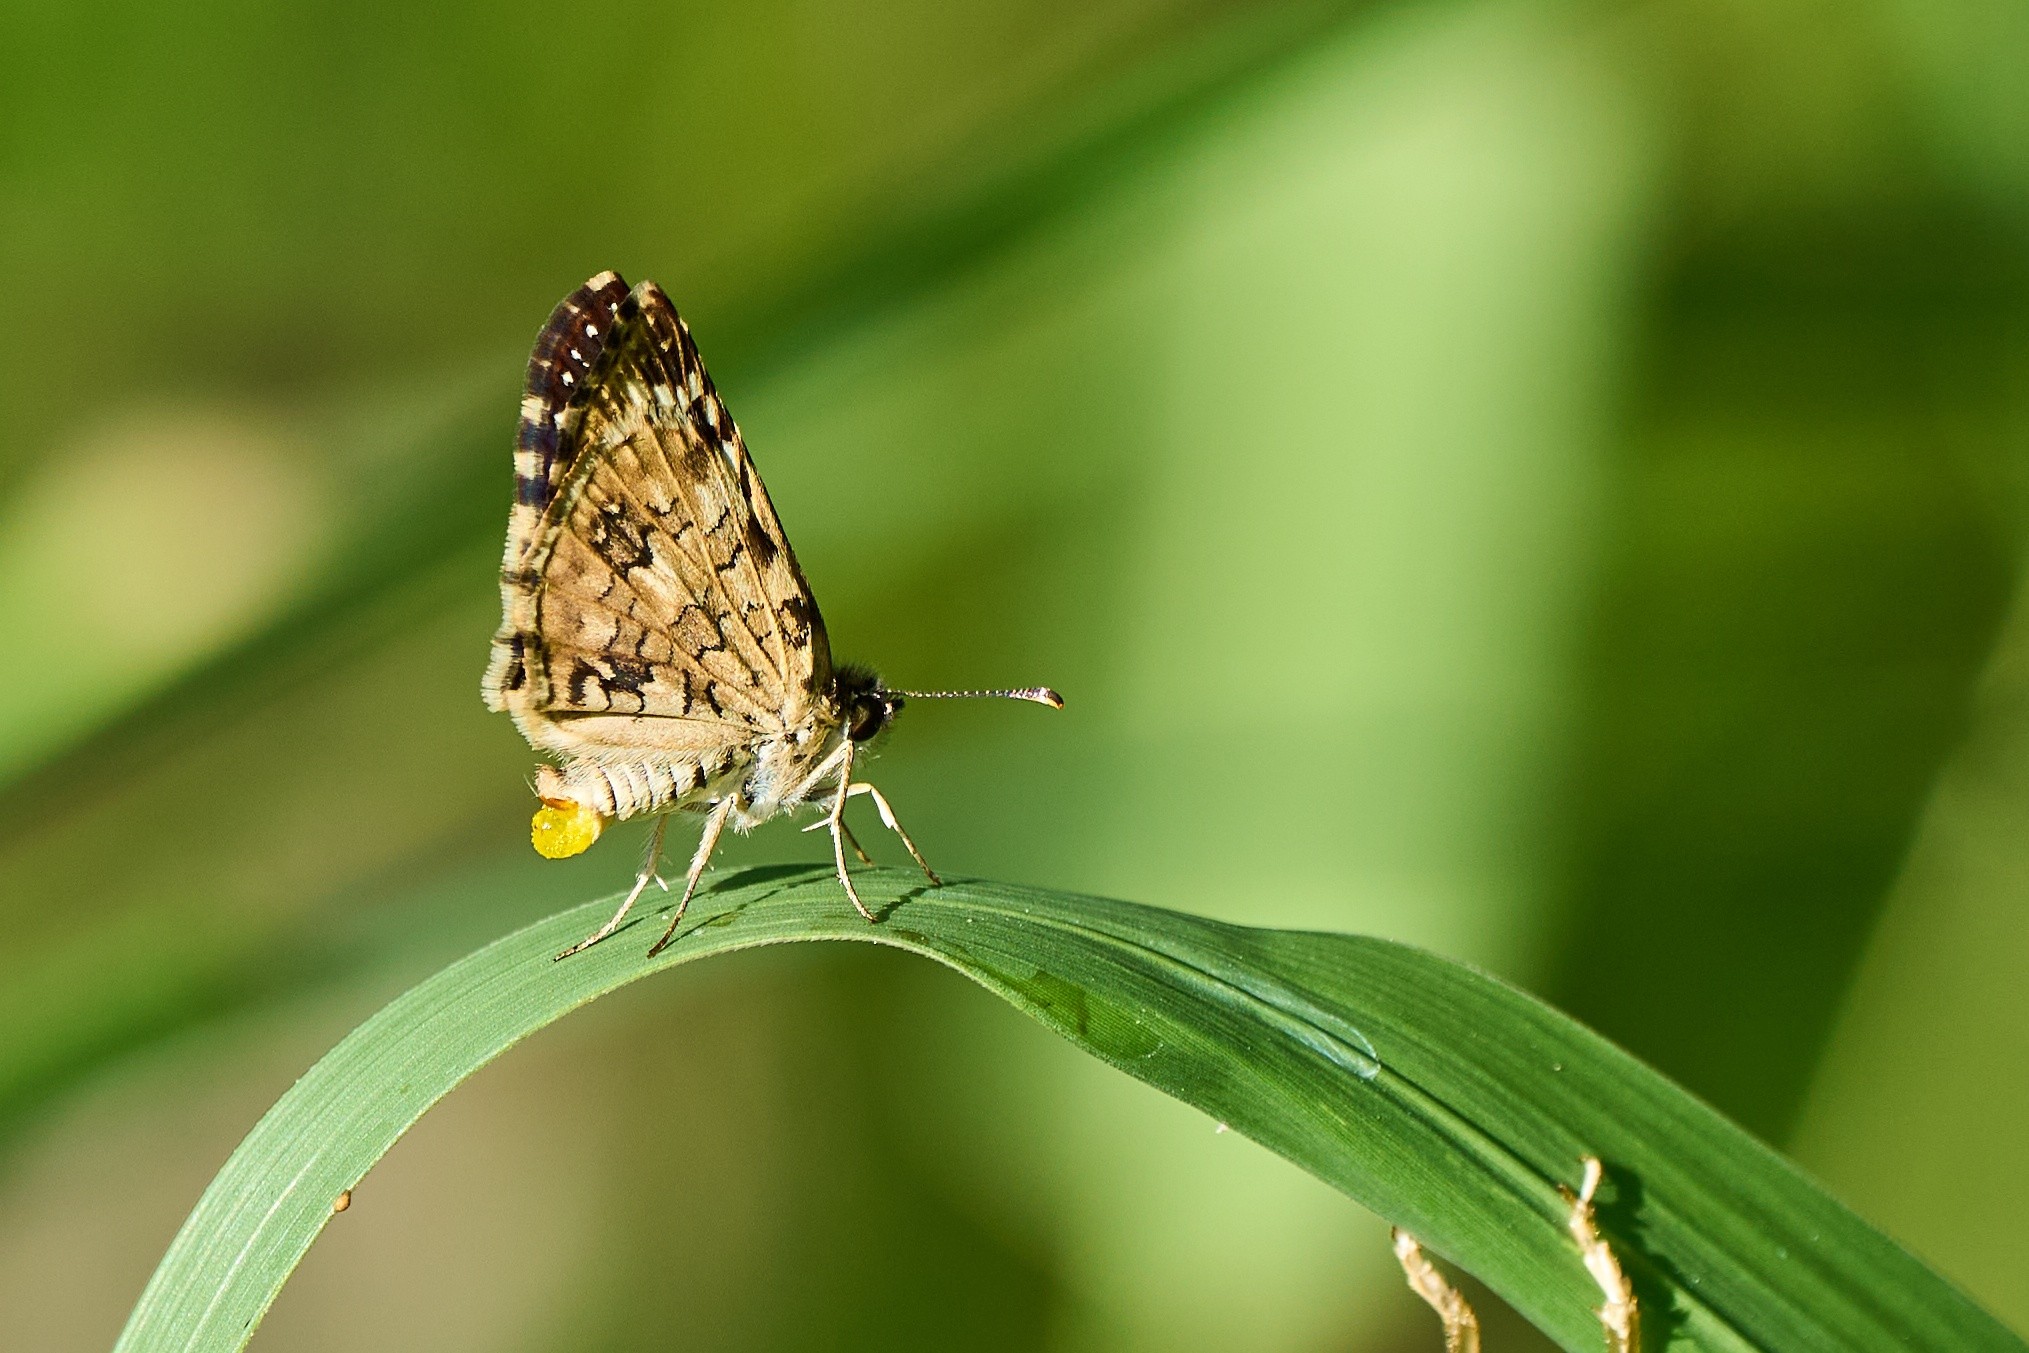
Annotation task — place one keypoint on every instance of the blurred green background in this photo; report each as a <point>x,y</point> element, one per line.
<point>1543,481</point>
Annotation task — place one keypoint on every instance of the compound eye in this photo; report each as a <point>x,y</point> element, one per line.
<point>866,720</point>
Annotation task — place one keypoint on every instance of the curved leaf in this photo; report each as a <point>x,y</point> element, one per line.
<point>1434,1094</point>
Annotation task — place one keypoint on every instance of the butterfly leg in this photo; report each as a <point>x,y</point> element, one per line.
<point>836,821</point>
<point>854,842</point>
<point>1461,1326</point>
<point>824,824</point>
<point>641,882</point>
<point>1620,1316</point>
<point>888,817</point>
<point>714,824</point>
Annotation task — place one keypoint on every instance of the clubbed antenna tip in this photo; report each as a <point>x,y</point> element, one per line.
<point>1041,695</point>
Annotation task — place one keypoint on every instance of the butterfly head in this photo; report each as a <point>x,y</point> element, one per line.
<point>868,709</point>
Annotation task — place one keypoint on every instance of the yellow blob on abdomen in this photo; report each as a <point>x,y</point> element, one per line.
<point>562,829</point>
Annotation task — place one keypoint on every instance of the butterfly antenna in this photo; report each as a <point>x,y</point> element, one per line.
<point>1041,695</point>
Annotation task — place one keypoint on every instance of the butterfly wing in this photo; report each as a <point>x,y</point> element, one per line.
<point>649,595</point>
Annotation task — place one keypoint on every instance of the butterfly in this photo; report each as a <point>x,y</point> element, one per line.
<point>657,637</point>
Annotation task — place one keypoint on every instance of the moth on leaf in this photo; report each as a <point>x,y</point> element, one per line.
<point>657,638</point>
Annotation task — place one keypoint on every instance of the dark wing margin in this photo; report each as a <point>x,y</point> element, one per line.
<point>565,350</point>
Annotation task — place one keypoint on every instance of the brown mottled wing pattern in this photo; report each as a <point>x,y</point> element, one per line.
<point>655,581</point>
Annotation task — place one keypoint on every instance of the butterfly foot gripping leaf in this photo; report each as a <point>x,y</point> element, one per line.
<point>1619,1317</point>
<point>657,636</point>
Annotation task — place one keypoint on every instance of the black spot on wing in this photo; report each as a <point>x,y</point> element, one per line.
<point>704,413</point>
<point>795,618</point>
<point>581,678</point>
<point>696,633</point>
<point>516,674</point>
<point>619,539</point>
<point>627,673</point>
<point>760,544</point>
<point>697,459</point>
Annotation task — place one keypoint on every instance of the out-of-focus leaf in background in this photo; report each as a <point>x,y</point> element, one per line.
<point>1543,481</point>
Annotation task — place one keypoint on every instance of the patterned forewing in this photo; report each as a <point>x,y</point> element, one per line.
<point>666,586</point>
<point>749,547</point>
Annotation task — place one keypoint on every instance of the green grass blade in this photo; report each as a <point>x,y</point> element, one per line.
<point>1432,1093</point>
